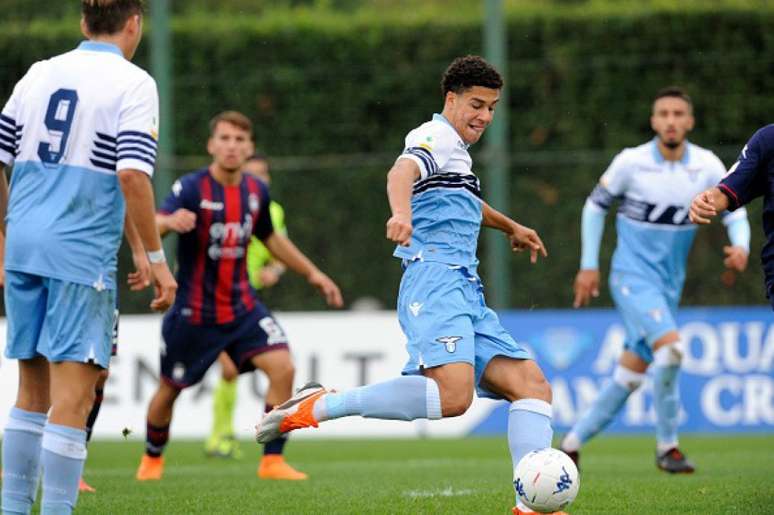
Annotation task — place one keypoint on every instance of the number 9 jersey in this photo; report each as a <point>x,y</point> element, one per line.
<point>71,123</point>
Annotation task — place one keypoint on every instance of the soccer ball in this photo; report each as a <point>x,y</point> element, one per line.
<point>546,480</point>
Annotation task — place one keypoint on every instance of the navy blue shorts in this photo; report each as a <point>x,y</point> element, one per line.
<point>190,349</point>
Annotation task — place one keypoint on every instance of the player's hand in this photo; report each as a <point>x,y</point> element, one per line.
<point>736,258</point>
<point>269,276</point>
<point>181,221</point>
<point>523,238</point>
<point>702,208</point>
<point>585,287</point>
<point>141,277</point>
<point>327,288</point>
<point>164,285</point>
<point>399,229</point>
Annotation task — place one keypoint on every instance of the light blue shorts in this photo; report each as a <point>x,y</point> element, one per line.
<point>647,311</point>
<point>444,316</point>
<point>60,320</point>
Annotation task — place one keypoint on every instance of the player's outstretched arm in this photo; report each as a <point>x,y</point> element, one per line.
<point>285,250</point>
<point>706,205</point>
<point>586,284</point>
<point>181,221</point>
<point>521,238</point>
<point>141,277</point>
<point>140,208</point>
<point>400,181</point>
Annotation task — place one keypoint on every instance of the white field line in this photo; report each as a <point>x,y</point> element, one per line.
<point>446,492</point>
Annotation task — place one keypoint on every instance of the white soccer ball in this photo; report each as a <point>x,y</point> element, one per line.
<point>546,480</point>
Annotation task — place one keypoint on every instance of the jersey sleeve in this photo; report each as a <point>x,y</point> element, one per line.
<point>181,196</point>
<point>613,183</point>
<point>746,179</point>
<point>11,124</point>
<point>430,147</point>
<point>138,128</point>
<point>263,226</point>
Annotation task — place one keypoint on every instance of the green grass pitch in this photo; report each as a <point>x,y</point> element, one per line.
<point>470,475</point>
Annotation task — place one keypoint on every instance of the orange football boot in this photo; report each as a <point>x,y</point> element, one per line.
<point>274,466</point>
<point>151,468</point>
<point>295,413</point>
<point>83,486</point>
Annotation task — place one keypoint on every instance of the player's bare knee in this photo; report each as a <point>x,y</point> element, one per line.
<point>456,406</point>
<point>282,373</point>
<point>455,401</point>
<point>541,389</point>
<point>102,378</point>
<point>229,374</point>
<point>76,401</point>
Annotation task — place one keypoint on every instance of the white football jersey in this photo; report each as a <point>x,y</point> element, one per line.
<point>71,123</point>
<point>446,200</point>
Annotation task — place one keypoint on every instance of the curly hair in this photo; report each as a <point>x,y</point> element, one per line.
<point>469,71</point>
<point>109,16</point>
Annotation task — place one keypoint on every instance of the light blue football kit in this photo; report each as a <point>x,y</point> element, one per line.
<point>441,305</point>
<point>654,234</point>
<point>648,270</point>
<point>70,124</point>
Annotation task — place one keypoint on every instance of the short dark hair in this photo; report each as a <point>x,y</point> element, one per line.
<point>109,16</point>
<point>234,118</point>
<point>674,91</point>
<point>469,71</point>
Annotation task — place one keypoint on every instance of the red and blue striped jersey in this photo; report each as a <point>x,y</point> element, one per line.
<point>752,176</point>
<point>213,287</point>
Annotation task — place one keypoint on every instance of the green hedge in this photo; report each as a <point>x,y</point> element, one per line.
<point>334,87</point>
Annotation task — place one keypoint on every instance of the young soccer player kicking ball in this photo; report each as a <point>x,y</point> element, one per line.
<point>455,342</point>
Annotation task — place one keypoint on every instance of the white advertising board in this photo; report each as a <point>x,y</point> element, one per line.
<point>340,350</point>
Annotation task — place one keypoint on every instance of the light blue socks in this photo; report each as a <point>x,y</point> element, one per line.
<point>666,399</point>
<point>63,456</point>
<point>403,398</point>
<point>666,394</point>
<point>21,460</point>
<point>529,427</point>
<point>608,403</point>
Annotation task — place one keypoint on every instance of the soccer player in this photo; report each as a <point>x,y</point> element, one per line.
<point>80,130</point>
<point>456,344</point>
<point>263,271</point>
<point>216,211</point>
<point>748,179</point>
<point>655,183</point>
